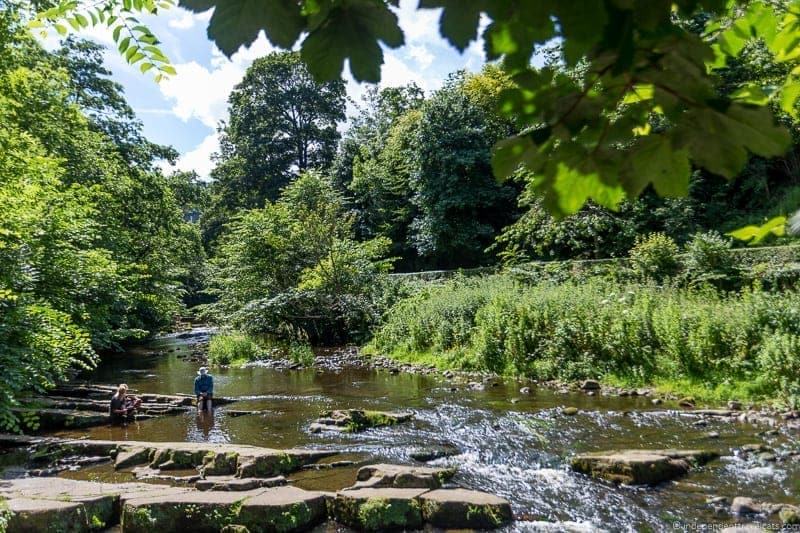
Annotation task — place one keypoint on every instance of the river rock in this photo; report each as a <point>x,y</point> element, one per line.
<point>742,505</point>
<point>590,384</point>
<point>384,509</point>
<point>569,411</point>
<point>465,509</point>
<point>402,476</point>
<point>355,420</point>
<point>424,455</point>
<point>640,467</point>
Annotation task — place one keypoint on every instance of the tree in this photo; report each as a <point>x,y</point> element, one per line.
<point>460,205</point>
<point>94,247</point>
<point>292,268</point>
<point>281,124</point>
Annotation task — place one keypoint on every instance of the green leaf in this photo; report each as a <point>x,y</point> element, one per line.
<point>509,154</point>
<point>751,94</point>
<point>755,234</point>
<point>720,141</point>
<point>789,95</point>
<point>351,31</point>
<point>459,20</point>
<point>654,160</point>
<point>60,28</point>
<point>238,22</point>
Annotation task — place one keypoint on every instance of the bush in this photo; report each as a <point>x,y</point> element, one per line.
<point>708,259</point>
<point>779,359</point>
<point>599,329</point>
<point>654,257</point>
<point>232,348</point>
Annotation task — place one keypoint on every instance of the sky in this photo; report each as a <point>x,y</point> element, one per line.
<point>184,110</point>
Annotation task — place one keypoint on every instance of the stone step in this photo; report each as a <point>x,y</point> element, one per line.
<point>402,476</point>
<point>640,467</point>
<point>56,504</point>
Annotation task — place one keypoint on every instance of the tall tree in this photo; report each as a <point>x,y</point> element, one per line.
<point>282,123</point>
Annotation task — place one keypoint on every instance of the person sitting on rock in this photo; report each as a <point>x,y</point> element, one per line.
<point>204,389</point>
<point>123,407</point>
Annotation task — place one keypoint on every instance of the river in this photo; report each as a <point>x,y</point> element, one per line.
<point>515,445</point>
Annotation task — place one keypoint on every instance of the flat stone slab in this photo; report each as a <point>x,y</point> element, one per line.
<point>273,509</point>
<point>378,509</point>
<point>465,509</point>
<point>402,476</point>
<point>55,504</point>
<point>29,515</point>
<point>640,467</point>
<point>238,484</point>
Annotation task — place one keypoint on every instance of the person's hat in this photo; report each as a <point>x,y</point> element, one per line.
<point>203,370</point>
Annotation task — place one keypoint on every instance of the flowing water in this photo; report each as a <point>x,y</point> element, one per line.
<point>518,449</point>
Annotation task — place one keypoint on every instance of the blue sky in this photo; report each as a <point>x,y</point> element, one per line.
<point>185,110</point>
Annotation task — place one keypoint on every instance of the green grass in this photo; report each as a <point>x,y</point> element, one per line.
<point>233,348</point>
<point>236,349</point>
<point>703,342</point>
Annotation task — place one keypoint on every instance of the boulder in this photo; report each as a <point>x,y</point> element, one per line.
<point>355,420</point>
<point>640,467</point>
<point>464,509</point>
<point>378,509</point>
<point>432,453</point>
<point>402,476</point>
<point>590,384</point>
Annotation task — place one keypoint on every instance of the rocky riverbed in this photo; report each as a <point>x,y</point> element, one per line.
<point>565,456</point>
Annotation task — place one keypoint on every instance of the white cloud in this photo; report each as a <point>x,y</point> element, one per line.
<point>183,21</point>
<point>201,92</point>
<point>421,55</point>
<point>198,159</point>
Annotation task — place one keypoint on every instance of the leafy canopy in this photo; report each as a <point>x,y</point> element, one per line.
<point>585,137</point>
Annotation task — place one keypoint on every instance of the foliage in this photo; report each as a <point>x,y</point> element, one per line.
<point>708,259</point>
<point>461,207</point>
<point>587,136</point>
<point>778,357</point>
<point>135,42</point>
<point>600,329</point>
<point>654,257</point>
<point>92,240</point>
<point>292,269</point>
<point>231,347</point>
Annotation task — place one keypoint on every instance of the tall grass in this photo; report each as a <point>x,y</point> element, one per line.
<point>237,348</point>
<point>603,329</point>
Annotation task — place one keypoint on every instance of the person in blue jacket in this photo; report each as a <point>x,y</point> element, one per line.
<point>204,389</point>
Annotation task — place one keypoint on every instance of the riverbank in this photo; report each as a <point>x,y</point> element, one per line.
<point>700,342</point>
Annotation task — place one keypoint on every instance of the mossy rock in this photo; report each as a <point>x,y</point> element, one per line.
<point>283,510</point>
<point>189,511</point>
<point>268,465</point>
<point>639,467</point>
<point>220,464</point>
<point>465,509</point>
<point>378,509</point>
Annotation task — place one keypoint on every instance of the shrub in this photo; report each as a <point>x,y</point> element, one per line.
<point>654,257</point>
<point>233,347</point>
<point>779,360</point>
<point>708,259</point>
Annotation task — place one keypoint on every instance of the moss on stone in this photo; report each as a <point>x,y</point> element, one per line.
<point>378,514</point>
